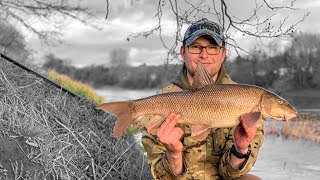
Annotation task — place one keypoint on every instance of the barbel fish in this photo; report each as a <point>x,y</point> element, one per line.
<point>206,105</point>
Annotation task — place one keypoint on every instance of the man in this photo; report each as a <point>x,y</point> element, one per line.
<point>226,153</point>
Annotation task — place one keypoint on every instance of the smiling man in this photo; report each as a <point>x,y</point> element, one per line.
<point>226,153</point>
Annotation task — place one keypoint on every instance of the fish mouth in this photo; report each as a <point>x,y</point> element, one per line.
<point>289,116</point>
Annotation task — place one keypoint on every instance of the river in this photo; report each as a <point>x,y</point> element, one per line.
<point>278,158</point>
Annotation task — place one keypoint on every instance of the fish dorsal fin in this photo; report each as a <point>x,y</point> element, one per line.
<point>201,77</point>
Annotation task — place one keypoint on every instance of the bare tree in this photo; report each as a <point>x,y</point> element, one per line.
<point>259,23</point>
<point>303,59</point>
<point>20,11</point>
<point>119,57</point>
<point>12,43</point>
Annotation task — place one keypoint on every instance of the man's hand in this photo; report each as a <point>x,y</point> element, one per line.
<point>170,136</point>
<point>243,135</point>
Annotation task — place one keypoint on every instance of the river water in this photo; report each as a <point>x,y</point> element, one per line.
<point>278,158</point>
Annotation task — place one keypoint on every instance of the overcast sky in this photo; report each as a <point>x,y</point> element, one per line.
<point>84,45</point>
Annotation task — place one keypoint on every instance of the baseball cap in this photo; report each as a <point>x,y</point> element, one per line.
<point>204,27</point>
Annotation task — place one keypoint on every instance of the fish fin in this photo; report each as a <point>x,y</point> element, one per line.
<point>200,131</point>
<point>154,123</point>
<point>142,121</point>
<point>121,110</point>
<point>203,135</point>
<point>201,77</point>
<point>251,118</point>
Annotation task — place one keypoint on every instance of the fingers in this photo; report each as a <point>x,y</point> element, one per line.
<point>178,132</point>
<point>168,134</point>
<point>169,123</point>
<point>171,140</point>
<point>249,131</point>
<point>244,134</point>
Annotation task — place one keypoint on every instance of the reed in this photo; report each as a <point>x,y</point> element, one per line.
<point>306,127</point>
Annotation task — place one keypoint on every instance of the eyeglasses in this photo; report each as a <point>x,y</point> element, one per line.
<point>211,49</point>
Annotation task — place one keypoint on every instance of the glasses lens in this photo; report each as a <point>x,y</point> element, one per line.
<point>197,49</point>
<point>213,49</point>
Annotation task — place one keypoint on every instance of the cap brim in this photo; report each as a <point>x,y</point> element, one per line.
<point>203,32</point>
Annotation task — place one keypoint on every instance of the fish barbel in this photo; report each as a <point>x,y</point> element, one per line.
<point>205,106</point>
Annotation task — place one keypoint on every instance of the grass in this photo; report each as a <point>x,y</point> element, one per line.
<point>81,89</point>
<point>76,87</point>
<point>65,136</point>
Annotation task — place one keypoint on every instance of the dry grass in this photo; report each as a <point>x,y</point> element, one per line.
<point>76,87</point>
<point>67,136</point>
<point>306,127</point>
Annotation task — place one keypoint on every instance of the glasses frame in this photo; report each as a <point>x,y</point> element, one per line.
<point>205,47</point>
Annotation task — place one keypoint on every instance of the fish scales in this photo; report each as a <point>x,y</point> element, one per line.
<point>206,105</point>
<point>213,105</point>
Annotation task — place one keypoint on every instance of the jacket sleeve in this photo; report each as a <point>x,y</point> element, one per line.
<point>157,160</point>
<point>225,169</point>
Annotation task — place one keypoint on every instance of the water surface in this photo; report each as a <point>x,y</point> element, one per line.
<point>280,158</point>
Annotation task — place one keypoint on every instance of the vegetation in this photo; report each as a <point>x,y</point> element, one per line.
<point>19,13</point>
<point>295,67</point>
<point>12,42</point>
<point>47,134</point>
<point>258,20</point>
<point>306,127</point>
<point>123,76</point>
<point>79,88</point>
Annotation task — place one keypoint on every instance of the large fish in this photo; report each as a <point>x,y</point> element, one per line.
<point>206,105</point>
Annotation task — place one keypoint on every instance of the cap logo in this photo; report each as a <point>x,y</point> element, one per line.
<point>212,27</point>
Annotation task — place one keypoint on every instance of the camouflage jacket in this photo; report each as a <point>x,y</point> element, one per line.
<point>208,159</point>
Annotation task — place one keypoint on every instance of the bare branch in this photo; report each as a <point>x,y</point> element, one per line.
<point>21,11</point>
<point>107,14</point>
<point>282,7</point>
<point>255,25</point>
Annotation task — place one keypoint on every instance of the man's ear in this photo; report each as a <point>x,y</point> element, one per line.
<point>183,51</point>
<point>224,53</point>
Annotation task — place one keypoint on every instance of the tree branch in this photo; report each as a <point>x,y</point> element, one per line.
<point>255,25</point>
<point>21,11</point>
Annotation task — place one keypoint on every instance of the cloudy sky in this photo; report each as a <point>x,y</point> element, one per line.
<point>83,45</point>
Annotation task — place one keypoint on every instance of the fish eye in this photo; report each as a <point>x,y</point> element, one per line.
<point>280,101</point>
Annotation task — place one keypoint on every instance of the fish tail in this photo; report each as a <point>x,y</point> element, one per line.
<point>122,111</point>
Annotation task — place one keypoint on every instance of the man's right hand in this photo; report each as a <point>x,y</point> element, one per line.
<point>169,136</point>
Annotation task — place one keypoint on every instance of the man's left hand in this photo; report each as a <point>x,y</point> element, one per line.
<point>243,135</point>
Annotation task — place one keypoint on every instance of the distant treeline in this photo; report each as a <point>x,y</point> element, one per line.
<point>122,76</point>
<point>296,67</point>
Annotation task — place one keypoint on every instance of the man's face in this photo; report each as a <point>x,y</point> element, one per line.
<point>211,62</point>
